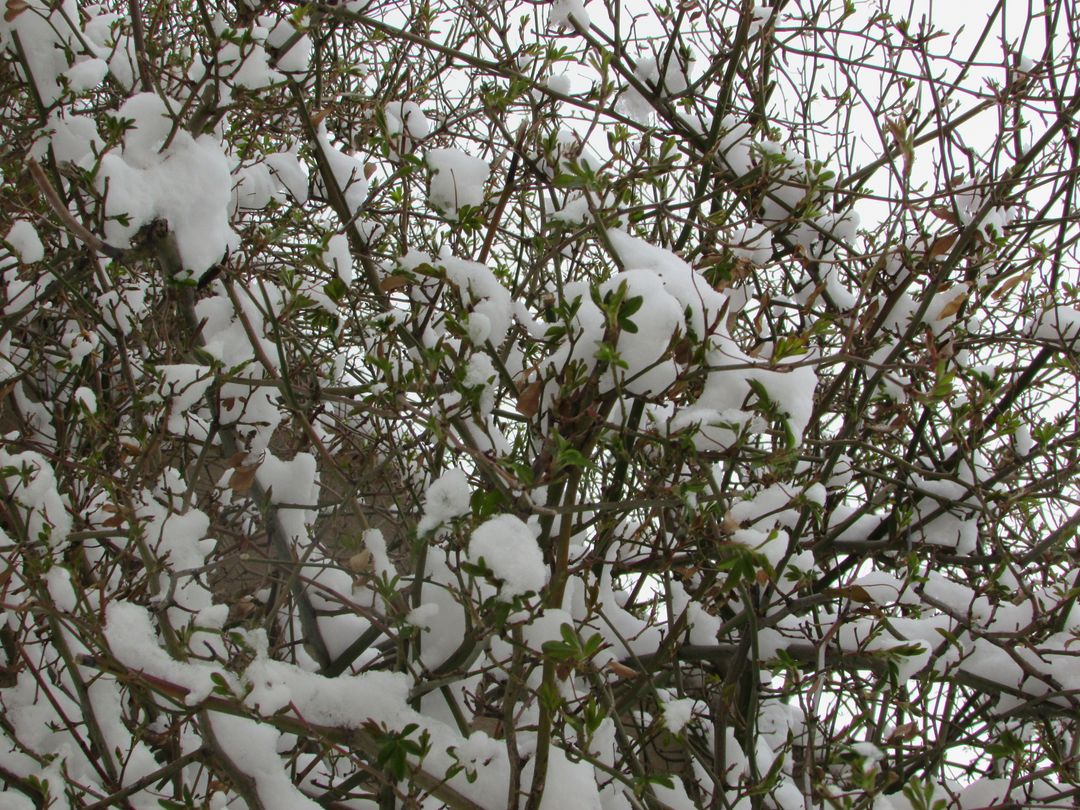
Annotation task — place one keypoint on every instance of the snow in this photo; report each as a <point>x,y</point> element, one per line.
<point>688,287</point>
<point>44,36</point>
<point>446,626</point>
<point>567,783</point>
<point>761,15</point>
<point>423,615</point>
<point>188,185</point>
<point>457,180</point>
<point>1059,325</point>
<point>675,81</point>
<point>752,243</point>
<point>247,65</point>
<point>508,547</point>
<point>347,172</point>
<point>290,172</point>
<point>984,793</point>
<point>252,747</point>
<point>181,541</point>
<point>87,74</point>
<point>677,712</point>
<point>130,635</point>
<point>657,321</point>
<point>575,210</point>
<point>623,631</point>
<point>184,385</point>
<point>492,299</point>
<point>61,591</point>
<point>226,339</point>
<point>31,484</point>
<point>298,58</point>
<point>24,240</point>
<point>73,139</point>
<point>338,257</point>
<point>480,373</point>
<point>568,14</point>
<point>375,543</point>
<point>559,83</point>
<point>86,398</point>
<point>447,498</point>
<point>293,482</point>
<point>406,125</point>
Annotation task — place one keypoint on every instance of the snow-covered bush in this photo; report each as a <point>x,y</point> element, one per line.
<point>538,405</point>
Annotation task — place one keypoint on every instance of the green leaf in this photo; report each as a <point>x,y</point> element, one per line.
<point>630,306</point>
<point>487,503</point>
<point>569,181</point>
<point>336,290</point>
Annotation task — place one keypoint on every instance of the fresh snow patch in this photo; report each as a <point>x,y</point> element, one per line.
<point>1060,325</point>
<point>338,257</point>
<point>677,712</point>
<point>405,118</point>
<point>24,240</point>
<point>457,180</point>
<point>448,497</point>
<point>509,548</point>
<point>188,185</point>
<point>567,13</point>
<point>252,747</point>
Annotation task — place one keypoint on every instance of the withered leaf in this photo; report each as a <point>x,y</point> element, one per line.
<point>242,478</point>
<point>621,670</point>
<point>953,306</point>
<point>941,212</point>
<point>14,9</point>
<point>528,402</point>
<point>360,562</point>
<point>391,283</point>
<point>856,593</point>
<point>1009,285</point>
<point>943,244</point>
<point>904,731</point>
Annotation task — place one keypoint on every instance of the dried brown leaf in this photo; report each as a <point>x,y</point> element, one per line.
<point>528,402</point>
<point>904,731</point>
<point>242,478</point>
<point>621,670</point>
<point>360,563</point>
<point>391,283</point>
<point>14,9</point>
<point>856,593</point>
<point>953,306</point>
<point>942,244</point>
<point>941,212</point>
<point>1009,285</point>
